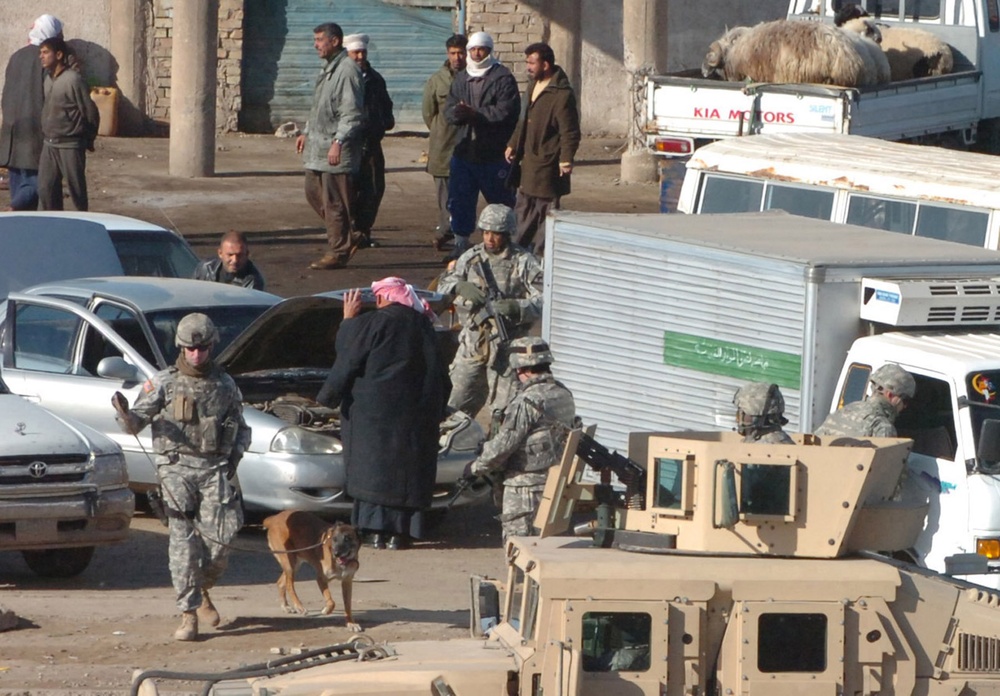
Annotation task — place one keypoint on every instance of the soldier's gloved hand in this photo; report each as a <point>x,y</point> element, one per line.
<point>508,309</point>
<point>120,403</point>
<point>470,291</point>
<point>473,470</point>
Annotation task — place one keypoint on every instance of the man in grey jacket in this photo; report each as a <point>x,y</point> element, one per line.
<point>69,127</point>
<point>331,146</point>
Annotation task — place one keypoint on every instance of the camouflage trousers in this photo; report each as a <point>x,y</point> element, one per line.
<point>517,516</point>
<point>204,513</point>
<point>475,384</point>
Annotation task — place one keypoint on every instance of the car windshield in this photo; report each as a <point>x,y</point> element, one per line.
<point>230,321</point>
<point>153,253</point>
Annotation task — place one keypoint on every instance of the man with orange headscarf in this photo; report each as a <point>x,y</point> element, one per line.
<point>392,386</point>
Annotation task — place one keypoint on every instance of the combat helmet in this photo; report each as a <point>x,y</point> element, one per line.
<point>497,217</point>
<point>529,352</point>
<point>759,399</point>
<point>196,330</point>
<point>891,377</point>
<point>760,407</point>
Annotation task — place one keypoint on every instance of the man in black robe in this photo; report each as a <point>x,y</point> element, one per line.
<point>392,387</point>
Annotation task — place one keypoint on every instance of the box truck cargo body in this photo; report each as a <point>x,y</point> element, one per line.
<point>656,320</point>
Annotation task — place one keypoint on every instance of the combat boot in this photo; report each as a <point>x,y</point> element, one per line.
<point>188,630</point>
<point>207,613</point>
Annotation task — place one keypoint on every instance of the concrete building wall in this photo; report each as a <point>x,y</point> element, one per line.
<point>599,76</point>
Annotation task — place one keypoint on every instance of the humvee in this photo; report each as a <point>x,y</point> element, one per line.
<point>722,568</point>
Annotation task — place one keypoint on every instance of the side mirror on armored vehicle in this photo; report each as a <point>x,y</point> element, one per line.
<point>727,510</point>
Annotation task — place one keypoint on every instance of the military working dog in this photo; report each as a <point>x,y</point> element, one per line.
<point>297,537</point>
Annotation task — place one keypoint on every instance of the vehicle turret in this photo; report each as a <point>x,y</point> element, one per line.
<point>714,493</point>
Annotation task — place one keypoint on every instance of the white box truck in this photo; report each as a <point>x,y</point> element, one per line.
<point>656,320</point>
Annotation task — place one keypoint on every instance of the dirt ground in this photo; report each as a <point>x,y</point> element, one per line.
<point>87,635</point>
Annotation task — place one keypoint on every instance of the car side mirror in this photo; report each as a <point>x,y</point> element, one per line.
<point>116,368</point>
<point>988,449</point>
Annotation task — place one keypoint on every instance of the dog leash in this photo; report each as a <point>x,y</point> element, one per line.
<point>176,508</point>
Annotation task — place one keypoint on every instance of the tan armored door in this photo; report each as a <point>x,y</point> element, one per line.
<point>622,646</point>
<point>791,648</point>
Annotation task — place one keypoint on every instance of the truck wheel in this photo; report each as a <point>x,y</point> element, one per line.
<point>988,137</point>
<point>59,563</point>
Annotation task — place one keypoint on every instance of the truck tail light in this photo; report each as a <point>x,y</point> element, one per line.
<point>989,548</point>
<point>673,146</point>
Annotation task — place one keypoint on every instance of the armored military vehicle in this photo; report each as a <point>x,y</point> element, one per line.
<point>721,568</point>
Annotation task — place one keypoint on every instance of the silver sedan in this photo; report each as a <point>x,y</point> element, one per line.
<point>70,345</point>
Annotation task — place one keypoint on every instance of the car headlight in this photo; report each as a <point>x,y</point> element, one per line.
<point>296,440</point>
<point>110,470</point>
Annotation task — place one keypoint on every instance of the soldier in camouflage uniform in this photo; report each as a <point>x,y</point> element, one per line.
<point>875,416</point>
<point>196,412</point>
<point>531,436</point>
<point>760,409</point>
<point>480,373</point>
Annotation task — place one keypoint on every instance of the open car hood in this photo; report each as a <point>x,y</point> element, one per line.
<point>297,333</point>
<point>300,332</point>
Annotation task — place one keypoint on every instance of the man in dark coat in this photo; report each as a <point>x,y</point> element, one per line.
<point>377,120</point>
<point>545,143</point>
<point>21,106</point>
<point>484,104</point>
<point>392,387</point>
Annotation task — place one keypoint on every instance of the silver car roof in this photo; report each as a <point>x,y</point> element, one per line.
<point>109,221</point>
<point>156,294</point>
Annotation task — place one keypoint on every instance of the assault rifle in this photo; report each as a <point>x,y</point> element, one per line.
<point>606,462</point>
<point>492,295</point>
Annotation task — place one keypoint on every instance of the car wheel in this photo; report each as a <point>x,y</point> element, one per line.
<point>59,563</point>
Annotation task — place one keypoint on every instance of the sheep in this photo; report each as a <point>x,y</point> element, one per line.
<point>791,51</point>
<point>869,36</point>
<point>714,64</point>
<point>911,52</point>
<point>915,53</point>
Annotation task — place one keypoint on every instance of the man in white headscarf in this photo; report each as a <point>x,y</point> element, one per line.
<point>21,106</point>
<point>485,104</point>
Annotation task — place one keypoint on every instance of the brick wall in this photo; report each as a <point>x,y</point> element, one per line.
<point>230,52</point>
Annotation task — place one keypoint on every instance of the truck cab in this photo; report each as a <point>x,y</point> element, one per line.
<point>953,417</point>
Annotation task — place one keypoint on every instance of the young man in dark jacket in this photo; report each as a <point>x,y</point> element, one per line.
<point>484,104</point>
<point>545,143</point>
<point>69,126</point>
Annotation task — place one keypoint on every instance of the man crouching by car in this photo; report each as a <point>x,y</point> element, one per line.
<point>199,436</point>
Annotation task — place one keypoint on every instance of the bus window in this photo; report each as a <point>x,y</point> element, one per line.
<point>723,195</point>
<point>881,214</point>
<point>810,203</point>
<point>952,224</point>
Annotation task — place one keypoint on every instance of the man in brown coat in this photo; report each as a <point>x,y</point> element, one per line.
<point>544,143</point>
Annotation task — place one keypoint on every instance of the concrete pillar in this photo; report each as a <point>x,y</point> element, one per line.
<point>565,38</point>
<point>128,47</point>
<point>193,59</point>
<point>640,34</point>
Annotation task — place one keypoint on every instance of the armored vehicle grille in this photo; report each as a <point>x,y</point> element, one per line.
<point>67,468</point>
<point>978,653</point>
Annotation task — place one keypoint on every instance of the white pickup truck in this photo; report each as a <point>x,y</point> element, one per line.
<point>684,110</point>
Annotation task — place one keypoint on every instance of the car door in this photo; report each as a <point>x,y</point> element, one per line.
<point>51,349</point>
